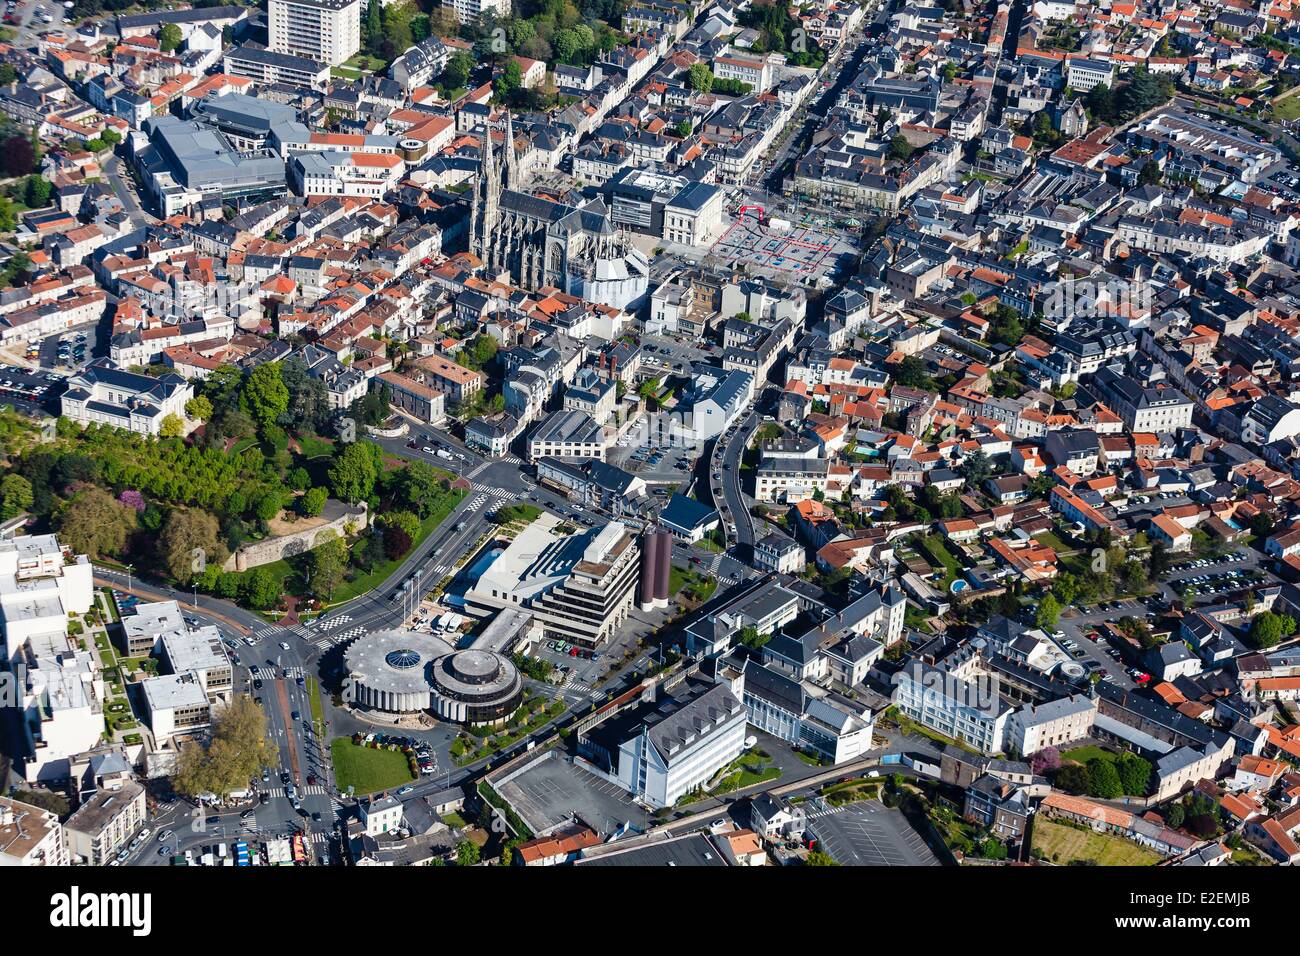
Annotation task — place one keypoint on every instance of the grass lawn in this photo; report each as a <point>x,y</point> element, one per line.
<point>367,770</point>
<point>313,446</point>
<point>1051,540</point>
<point>454,820</point>
<point>381,572</point>
<point>313,698</point>
<point>696,586</point>
<point>1084,754</point>
<point>1287,109</point>
<point>1064,844</point>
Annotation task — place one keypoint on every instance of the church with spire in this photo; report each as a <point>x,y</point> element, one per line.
<point>542,242</point>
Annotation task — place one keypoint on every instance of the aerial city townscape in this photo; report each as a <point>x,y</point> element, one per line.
<point>637,433</point>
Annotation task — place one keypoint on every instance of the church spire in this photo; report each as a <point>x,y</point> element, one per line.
<point>511,173</point>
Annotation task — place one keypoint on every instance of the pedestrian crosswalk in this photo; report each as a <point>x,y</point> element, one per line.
<point>335,621</point>
<point>440,570</point>
<point>293,673</point>
<point>314,790</point>
<point>478,501</point>
<point>272,631</point>
<point>335,638</point>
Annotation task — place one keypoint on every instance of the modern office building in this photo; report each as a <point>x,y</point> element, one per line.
<point>328,31</point>
<point>579,587</point>
<point>269,67</point>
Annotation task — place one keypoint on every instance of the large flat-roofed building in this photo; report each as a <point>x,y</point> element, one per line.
<point>185,161</point>
<point>199,652</point>
<point>142,631</point>
<point>328,31</point>
<point>269,67</point>
<point>30,836</point>
<point>102,394</point>
<point>177,704</point>
<point>61,695</point>
<point>579,587</point>
<point>106,822</point>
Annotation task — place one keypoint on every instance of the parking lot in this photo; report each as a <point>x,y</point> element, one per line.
<point>554,791</point>
<point>68,350</point>
<point>868,833</point>
<point>33,388</point>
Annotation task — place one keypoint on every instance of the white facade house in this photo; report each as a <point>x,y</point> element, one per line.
<point>954,703</point>
<point>103,394</point>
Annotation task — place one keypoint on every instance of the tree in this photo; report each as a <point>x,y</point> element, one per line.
<point>977,468</point>
<point>1268,628</point>
<point>396,542</point>
<point>1049,611</point>
<point>312,502</point>
<point>510,80</point>
<point>372,32</point>
<point>900,149</point>
<point>1175,815</point>
<point>329,563</point>
<point>172,426</point>
<point>458,69</point>
<point>1103,779</point>
<point>17,156</point>
<point>819,858</point>
<point>199,408</point>
<point>467,853</point>
<point>1134,774</point>
<point>7,74</point>
<point>269,505</point>
<point>261,590</point>
<point>36,191</point>
<point>264,397</point>
<point>190,542</point>
<point>912,374</point>
<point>16,496</point>
<point>354,472</point>
<point>1046,760</point>
<point>700,78</point>
<point>95,523</point>
<point>170,38</point>
<point>237,750</point>
<point>1072,778</point>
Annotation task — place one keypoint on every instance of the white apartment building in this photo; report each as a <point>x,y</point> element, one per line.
<point>946,700</point>
<point>60,688</point>
<point>328,31</point>
<point>30,836</point>
<point>469,11</point>
<point>106,822</point>
<point>177,705</point>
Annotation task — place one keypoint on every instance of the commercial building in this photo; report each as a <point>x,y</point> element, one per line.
<point>567,434</point>
<point>328,31</point>
<point>181,162</point>
<point>578,587</point>
<point>344,173</point>
<point>402,672</point>
<point>1051,724</point>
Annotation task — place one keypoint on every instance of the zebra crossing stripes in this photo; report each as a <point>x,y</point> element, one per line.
<point>339,637</point>
<point>293,673</point>
<point>271,631</point>
<point>336,621</point>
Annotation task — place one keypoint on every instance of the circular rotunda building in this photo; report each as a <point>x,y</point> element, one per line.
<point>401,672</point>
